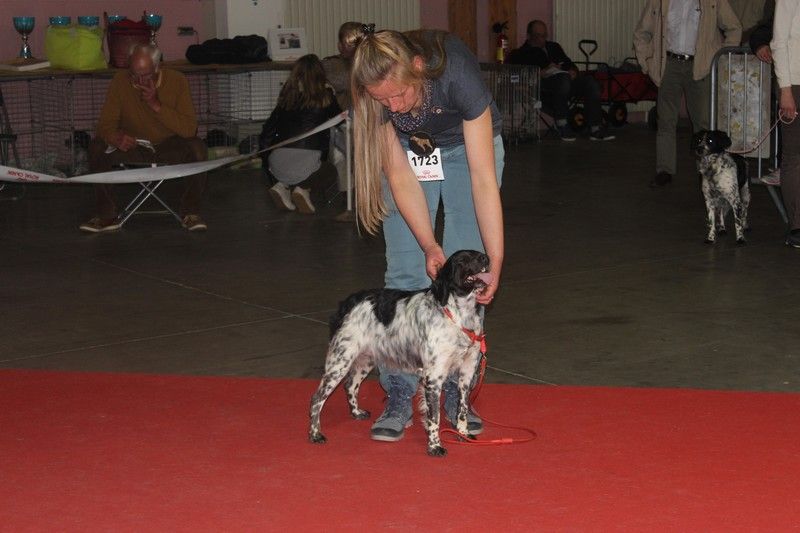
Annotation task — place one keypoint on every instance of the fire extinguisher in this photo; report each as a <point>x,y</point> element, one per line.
<point>502,41</point>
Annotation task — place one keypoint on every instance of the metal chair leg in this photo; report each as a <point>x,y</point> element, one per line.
<point>148,191</point>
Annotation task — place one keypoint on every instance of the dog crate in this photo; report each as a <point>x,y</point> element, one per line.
<point>741,105</point>
<point>741,101</point>
<point>516,91</point>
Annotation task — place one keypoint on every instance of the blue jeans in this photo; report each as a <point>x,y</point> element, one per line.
<point>405,262</point>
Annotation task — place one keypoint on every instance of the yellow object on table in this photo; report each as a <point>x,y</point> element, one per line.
<point>75,47</point>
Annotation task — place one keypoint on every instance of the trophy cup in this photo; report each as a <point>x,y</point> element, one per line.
<point>154,21</point>
<point>24,25</point>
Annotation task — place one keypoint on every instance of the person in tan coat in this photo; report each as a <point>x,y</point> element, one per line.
<point>675,42</point>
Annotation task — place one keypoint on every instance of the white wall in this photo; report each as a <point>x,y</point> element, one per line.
<point>247,17</point>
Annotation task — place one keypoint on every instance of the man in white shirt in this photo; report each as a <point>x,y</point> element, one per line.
<point>675,43</point>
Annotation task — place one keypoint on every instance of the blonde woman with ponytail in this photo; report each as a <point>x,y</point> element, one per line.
<point>426,129</point>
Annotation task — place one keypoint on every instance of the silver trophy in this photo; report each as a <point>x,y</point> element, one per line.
<point>24,25</point>
<point>154,21</point>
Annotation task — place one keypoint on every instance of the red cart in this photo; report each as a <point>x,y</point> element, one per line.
<point>620,86</point>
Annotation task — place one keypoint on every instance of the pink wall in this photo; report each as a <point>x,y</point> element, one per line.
<point>528,10</point>
<point>433,14</point>
<point>175,12</point>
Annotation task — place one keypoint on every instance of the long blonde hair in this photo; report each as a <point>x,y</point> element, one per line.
<point>380,56</point>
<point>306,86</point>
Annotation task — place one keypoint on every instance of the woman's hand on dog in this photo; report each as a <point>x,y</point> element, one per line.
<point>788,105</point>
<point>486,296</point>
<point>434,260</point>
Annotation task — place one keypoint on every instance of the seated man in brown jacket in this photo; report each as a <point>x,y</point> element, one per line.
<point>152,104</point>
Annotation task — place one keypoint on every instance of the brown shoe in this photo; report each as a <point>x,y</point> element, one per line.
<point>100,225</point>
<point>661,179</point>
<point>194,223</point>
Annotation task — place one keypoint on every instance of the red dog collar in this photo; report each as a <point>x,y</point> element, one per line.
<point>474,337</point>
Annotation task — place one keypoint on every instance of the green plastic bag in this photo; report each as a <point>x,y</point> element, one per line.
<point>75,47</point>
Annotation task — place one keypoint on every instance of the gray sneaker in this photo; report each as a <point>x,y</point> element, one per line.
<point>396,416</point>
<point>450,391</point>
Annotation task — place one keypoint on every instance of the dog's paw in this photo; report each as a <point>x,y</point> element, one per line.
<point>740,241</point>
<point>709,241</point>
<point>437,451</point>
<point>317,438</point>
<point>362,414</point>
<point>721,231</point>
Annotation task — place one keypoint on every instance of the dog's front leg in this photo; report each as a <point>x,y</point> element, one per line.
<point>739,220</point>
<point>744,196</point>
<point>711,211</point>
<point>433,394</point>
<point>463,406</point>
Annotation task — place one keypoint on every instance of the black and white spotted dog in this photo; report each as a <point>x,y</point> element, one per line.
<point>431,333</point>
<point>725,184</point>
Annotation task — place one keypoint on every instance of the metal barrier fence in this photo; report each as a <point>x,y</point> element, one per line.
<point>517,93</point>
<point>49,114</point>
<point>741,105</point>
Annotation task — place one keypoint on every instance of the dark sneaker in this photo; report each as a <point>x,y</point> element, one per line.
<point>194,223</point>
<point>566,133</point>
<point>793,238</point>
<point>661,179</point>
<point>601,135</point>
<point>450,391</point>
<point>100,225</point>
<point>396,417</point>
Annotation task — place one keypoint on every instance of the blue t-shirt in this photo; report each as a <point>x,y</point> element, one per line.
<point>459,94</point>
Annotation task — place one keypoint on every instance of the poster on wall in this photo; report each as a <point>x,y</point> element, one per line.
<point>287,44</point>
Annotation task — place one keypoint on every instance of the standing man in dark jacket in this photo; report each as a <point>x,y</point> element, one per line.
<point>561,81</point>
<point>762,34</point>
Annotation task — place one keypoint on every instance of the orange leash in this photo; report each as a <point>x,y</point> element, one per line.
<point>494,442</point>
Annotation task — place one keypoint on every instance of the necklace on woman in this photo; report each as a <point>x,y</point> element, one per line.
<point>411,121</point>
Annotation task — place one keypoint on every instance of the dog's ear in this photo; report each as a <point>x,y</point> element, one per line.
<point>440,288</point>
<point>723,140</point>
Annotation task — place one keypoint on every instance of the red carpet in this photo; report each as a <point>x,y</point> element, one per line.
<point>89,452</point>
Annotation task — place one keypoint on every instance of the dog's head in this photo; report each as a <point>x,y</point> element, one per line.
<point>464,272</point>
<point>710,142</point>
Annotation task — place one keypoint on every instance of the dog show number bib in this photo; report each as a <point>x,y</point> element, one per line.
<point>425,157</point>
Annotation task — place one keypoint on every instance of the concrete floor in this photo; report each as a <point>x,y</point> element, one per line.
<point>606,282</point>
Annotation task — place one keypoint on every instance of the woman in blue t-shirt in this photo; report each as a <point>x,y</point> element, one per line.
<point>426,129</point>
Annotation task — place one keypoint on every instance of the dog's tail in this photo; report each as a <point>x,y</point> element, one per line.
<point>347,305</point>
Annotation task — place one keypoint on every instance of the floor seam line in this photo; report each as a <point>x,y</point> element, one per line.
<point>144,339</point>
<point>207,293</point>
<point>523,376</point>
<point>606,269</point>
